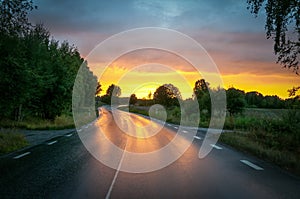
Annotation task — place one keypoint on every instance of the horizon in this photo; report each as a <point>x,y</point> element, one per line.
<point>233,37</point>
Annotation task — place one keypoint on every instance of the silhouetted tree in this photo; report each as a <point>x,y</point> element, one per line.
<point>235,100</point>
<point>133,99</point>
<point>113,90</point>
<point>167,95</point>
<point>201,87</point>
<point>254,99</point>
<point>281,16</point>
<point>201,93</point>
<point>98,89</point>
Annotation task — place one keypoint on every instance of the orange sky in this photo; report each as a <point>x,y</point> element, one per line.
<point>141,72</point>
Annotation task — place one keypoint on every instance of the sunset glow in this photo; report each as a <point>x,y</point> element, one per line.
<point>231,35</point>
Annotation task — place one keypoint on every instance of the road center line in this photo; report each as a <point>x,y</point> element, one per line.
<point>197,137</point>
<point>69,135</point>
<point>53,142</point>
<point>116,174</point>
<point>22,155</point>
<point>250,164</point>
<point>184,131</point>
<point>216,147</point>
<point>175,127</point>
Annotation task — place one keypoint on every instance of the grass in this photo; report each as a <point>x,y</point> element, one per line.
<point>284,158</point>
<point>61,122</point>
<point>270,134</point>
<point>10,140</point>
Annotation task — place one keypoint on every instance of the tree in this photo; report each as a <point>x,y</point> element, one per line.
<point>293,91</point>
<point>99,89</point>
<point>13,17</point>
<point>113,90</point>
<point>167,95</point>
<point>37,73</point>
<point>149,95</point>
<point>133,99</point>
<point>281,16</point>
<point>254,99</point>
<point>201,87</point>
<point>235,101</point>
<point>202,95</point>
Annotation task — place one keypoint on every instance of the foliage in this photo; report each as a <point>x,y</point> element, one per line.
<point>112,93</point>
<point>133,99</point>
<point>37,73</point>
<point>113,90</point>
<point>167,95</point>
<point>281,16</point>
<point>98,89</point>
<point>235,100</point>
<point>201,88</point>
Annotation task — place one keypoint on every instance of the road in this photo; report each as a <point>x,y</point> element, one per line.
<point>64,168</point>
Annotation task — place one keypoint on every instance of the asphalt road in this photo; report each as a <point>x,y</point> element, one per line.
<point>64,168</point>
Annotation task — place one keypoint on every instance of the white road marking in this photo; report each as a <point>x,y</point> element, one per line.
<point>53,142</point>
<point>69,135</point>
<point>169,124</point>
<point>197,137</point>
<point>250,164</point>
<point>22,155</point>
<point>79,130</point>
<point>216,147</point>
<point>184,131</point>
<point>86,127</point>
<point>116,174</point>
<point>175,127</point>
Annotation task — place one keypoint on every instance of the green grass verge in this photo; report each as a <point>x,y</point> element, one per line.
<point>11,141</point>
<point>272,135</point>
<point>245,142</point>
<point>61,122</point>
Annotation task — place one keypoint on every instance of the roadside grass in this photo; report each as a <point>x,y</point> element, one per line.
<point>61,122</point>
<point>270,134</point>
<point>11,140</point>
<point>282,156</point>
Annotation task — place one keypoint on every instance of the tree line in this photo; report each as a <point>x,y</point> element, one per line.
<point>169,96</point>
<point>37,72</point>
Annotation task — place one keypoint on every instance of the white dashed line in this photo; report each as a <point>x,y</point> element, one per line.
<point>184,131</point>
<point>216,147</point>
<point>69,135</point>
<point>175,127</point>
<point>22,155</point>
<point>115,177</point>
<point>250,164</point>
<point>79,130</point>
<point>53,142</point>
<point>169,124</point>
<point>86,127</point>
<point>197,137</point>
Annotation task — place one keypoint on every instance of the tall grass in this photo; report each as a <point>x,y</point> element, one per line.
<point>11,140</point>
<point>61,122</point>
<point>274,138</point>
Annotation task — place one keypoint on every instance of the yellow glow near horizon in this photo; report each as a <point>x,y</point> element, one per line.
<point>141,72</point>
<point>135,82</point>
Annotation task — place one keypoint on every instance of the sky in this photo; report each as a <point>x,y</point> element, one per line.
<point>233,38</point>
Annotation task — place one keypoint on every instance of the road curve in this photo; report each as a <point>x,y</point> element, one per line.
<point>65,168</point>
